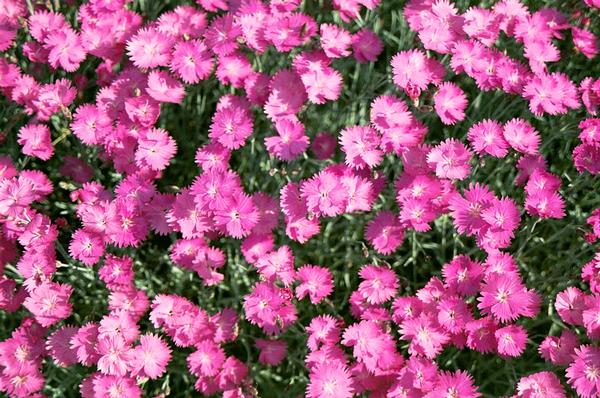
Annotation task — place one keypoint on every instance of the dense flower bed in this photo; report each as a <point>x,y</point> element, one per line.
<point>281,198</point>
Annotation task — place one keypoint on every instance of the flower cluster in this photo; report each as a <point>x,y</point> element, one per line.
<point>102,79</point>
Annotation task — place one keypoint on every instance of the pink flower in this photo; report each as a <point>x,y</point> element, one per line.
<point>585,41</point>
<point>463,275</point>
<point>379,284</point>
<point>459,384</point>
<point>330,380</point>
<point>521,136</point>
<point>290,142</point>
<point>150,357</point>
<point>207,360</point>
<point>366,45</point>
<point>164,88</point>
<point>65,49</point>
<point>450,103</point>
<point>149,48</point>
<point>272,352</point>
<point>231,126</point>
<point>539,385</point>
<point>155,149</point>
<point>324,194</point>
<point>505,297</point>
<point>335,40</point>
<point>450,159</point>
<point>570,304</point>
<point>583,373</point>
<point>86,246</point>
<point>49,302</point>
<point>36,141</point>
<point>59,346</point>
<point>559,350</point>
<point>269,307</point>
<point>487,137</point>
<point>315,281</point>
<point>278,264</point>
<point>425,336</point>
<point>413,71</point>
<point>551,93</point>
<point>361,146</point>
<point>91,125</point>
<point>191,61</point>
<point>511,340</point>
<point>237,215</point>
<point>385,233</point>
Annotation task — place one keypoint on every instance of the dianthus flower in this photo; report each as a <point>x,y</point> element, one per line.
<point>49,302</point>
<point>450,103</point>
<point>450,159</point>
<point>315,281</point>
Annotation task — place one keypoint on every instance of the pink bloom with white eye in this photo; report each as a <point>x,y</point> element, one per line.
<point>504,297</point>
<point>322,85</point>
<point>570,304</point>
<point>287,95</point>
<point>221,36</point>
<point>426,337</point>
<point>143,110</point>
<point>231,127</point>
<point>417,214</point>
<point>540,385</point>
<point>117,272</point>
<point>398,127</point>
<point>361,146</point>
<point>86,246</point>
<point>366,45</point>
<point>323,330</point>
<point>324,194</point>
<point>384,232</point>
<point>270,308</point>
<point>155,149</point>
<point>150,357</point>
<point>551,93</point>
<point>559,350</point>
<point>315,281</point>
<point>521,136</point>
<point>278,264</point>
<point>450,103</point>
<point>413,71</point>
<point>49,302</point>
<point>482,24</point>
<point>583,374</point>
<point>105,386</point>
<point>486,137</point>
<point>191,61</point>
<point>213,156</point>
<point>538,53</point>
<point>463,275</point>
<point>379,284</point>
<point>511,340</point>
<point>453,314</point>
<point>272,352</point>
<point>65,49</point>
<point>480,335</point>
<point>90,125</point>
<point>457,384</point>
<point>290,142</point>
<point>237,215</point>
<point>330,380</point>
<point>149,48</point>
<point>335,40</point>
<point>545,204</point>
<point>450,159</point>
<point>36,141</point>
<point>233,69</point>
<point>164,88</point>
